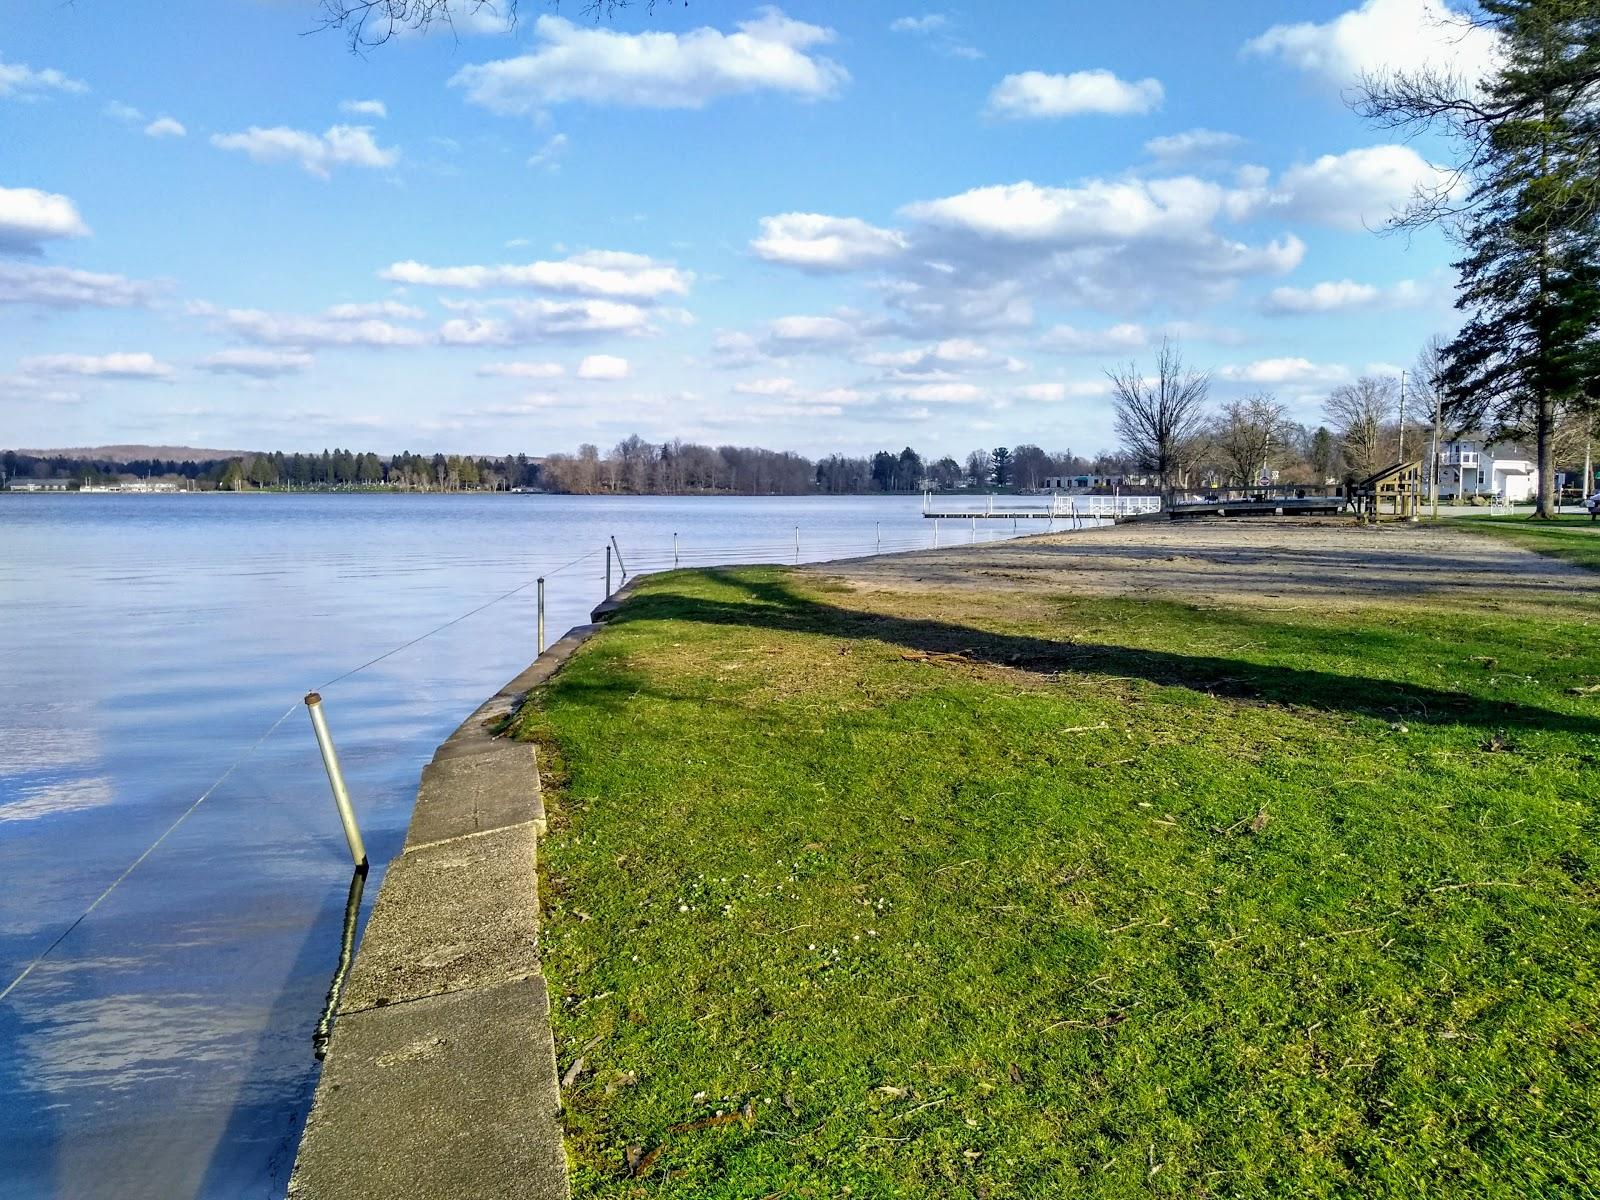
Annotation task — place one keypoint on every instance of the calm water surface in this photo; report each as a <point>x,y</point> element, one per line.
<point>163,1049</point>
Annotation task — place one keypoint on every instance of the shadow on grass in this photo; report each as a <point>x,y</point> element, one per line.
<point>772,604</point>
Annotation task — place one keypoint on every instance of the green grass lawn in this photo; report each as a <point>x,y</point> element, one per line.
<point>1573,538</point>
<point>1015,895</point>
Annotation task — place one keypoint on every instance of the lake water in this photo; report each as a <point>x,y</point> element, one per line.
<point>163,1048</point>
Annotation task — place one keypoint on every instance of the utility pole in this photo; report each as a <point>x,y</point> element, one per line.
<point>1402,416</point>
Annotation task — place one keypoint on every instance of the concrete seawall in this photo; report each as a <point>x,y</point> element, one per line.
<point>440,1076</point>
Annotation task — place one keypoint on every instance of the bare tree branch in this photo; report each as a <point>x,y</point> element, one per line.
<point>371,23</point>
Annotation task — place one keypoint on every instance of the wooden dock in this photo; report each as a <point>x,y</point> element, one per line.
<point>1308,506</point>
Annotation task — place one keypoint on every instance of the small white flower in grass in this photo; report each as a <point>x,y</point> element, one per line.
<point>683,908</point>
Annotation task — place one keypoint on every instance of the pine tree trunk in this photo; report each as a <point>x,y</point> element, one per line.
<point>1544,506</point>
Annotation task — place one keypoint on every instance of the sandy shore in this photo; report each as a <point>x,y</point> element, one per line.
<point>1271,561</point>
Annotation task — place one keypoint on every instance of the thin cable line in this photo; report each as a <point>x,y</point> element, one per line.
<point>372,662</point>
<point>149,850</point>
<point>238,762</point>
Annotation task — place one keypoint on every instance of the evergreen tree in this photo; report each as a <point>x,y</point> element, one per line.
<point>1528,138</point>
<point>1000,465</point>
<point>908,471</point>
<point>884,465</point>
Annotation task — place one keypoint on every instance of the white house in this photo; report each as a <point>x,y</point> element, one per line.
<point>1471,468</point>
<point>1089,482</point>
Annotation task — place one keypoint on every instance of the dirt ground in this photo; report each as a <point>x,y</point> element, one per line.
<point>1271,561</point>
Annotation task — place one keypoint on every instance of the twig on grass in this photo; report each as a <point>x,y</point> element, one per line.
<point>920,1107</point>
<point>1452,887</point>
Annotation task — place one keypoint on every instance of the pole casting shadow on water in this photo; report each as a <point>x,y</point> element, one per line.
<point>779,607</point>
<point>264,1119</point>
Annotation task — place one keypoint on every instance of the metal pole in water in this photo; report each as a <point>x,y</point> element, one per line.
<point>936,533</point>
<point>341,798</point>
<point>797,543</point>
<point>674,550</point>
<point>622,566</point>
<point>877,535</point>
<point>608,572</point>
<point>541,614</point>
<point>974,536</point>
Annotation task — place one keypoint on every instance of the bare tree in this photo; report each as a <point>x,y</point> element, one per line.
<point>1251,434</point>
<point>370,23</point>
<point>1158,420</point>
<point>978,466</point>
<point>1358,411</point>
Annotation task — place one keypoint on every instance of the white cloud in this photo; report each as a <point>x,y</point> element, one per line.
<point>931,23</point>
<point>839,395</point>
<point>121,365</point>
<point>818,242</point>
<point>364,108</point>
<point>1051,393</point>
<point>572,63</point>
<point>319,154</point>
<point>935,29</point>
<point>342,325</point>
<point>118,111</point>
<point>1340,296</point>
<point>1117,339</point>
<point>529,405</point>
<point>603,366</point>
<point>1192,143</point>
<point>165,127</point>
<point>19,79</point>
<point>1098,209</point>
<point>29,217</point>
<point>1047,392</point>
<point>806,332</point>
<point>259,364</point>
<point>1169,221</point>
<point>1380,36</point>
<point>67,287</point>
<point>1035,94</point>
<point>391,309</point>
<point>522,370</point>
<point>1358,189</point>
<point>942,393</point>
<point>39,390</point>
<point>1277,371</point>
<point>779,386</point>
<point>528,321</point>
<point>941,358</point>
<point>733,349</point>
<point>549,155</point>
<point>606,273</point>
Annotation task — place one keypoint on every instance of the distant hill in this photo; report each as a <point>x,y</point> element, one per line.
<point>132,453</point>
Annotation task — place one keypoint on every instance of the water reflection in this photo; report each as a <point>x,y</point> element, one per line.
<point>162,1051</point>
<point>347,947</point>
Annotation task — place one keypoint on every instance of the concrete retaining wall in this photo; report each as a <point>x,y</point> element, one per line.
<point>440,1077</point>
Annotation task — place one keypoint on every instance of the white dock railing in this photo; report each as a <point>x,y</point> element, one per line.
<point>1054,506</point>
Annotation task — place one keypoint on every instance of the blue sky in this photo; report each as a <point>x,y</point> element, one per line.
<point>819,227</point>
